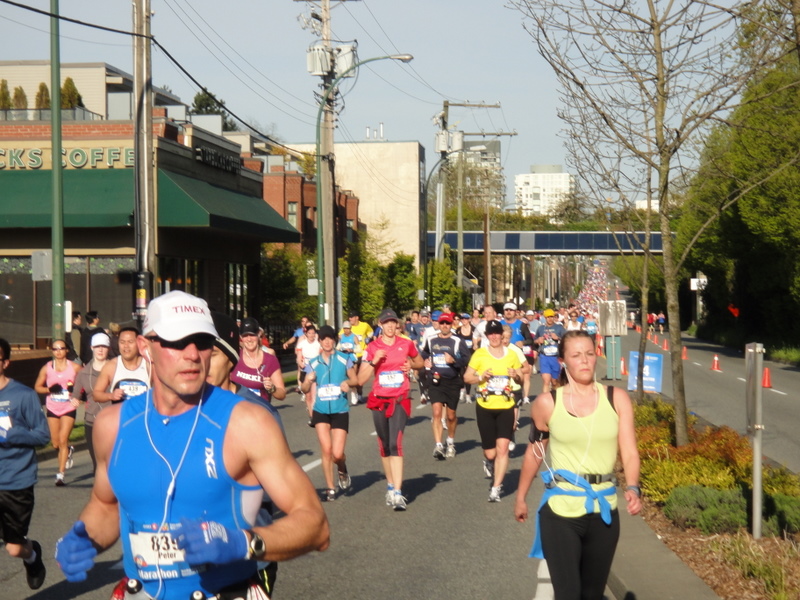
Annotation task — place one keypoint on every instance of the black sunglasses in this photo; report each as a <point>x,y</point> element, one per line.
<point>202,341</point>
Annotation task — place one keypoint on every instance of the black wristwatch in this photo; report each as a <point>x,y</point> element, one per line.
<point>256,548</point>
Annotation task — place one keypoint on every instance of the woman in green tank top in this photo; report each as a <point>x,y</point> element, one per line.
<point>584,425</point>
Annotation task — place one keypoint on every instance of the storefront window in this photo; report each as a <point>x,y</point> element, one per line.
<point>16,300</point>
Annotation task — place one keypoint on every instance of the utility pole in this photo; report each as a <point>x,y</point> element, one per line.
<point>326,243</point>
<point>145,216</point>
<point>57,221</point>
<point>444,150</point>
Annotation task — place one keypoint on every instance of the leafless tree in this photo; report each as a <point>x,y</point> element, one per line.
<point>642,83</point>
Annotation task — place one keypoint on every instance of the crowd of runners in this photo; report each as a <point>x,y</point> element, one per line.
<point>190,398</point>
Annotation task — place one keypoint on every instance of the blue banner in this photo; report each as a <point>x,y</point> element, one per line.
<point>653,371</point>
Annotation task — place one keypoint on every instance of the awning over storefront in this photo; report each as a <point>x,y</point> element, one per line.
<point>101,198</point>
<point>187,202</point>
<point>104,198</point>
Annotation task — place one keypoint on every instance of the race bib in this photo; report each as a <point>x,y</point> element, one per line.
<point>5,420</point>
<point>329,392</point>
<point>62,396</point>
<point>439,360</point>
<point>347,346</point>
<point>156,550</point>
<point>527,351</point>
<point>550,351</point>
<point>132,387</point>
<point>497,384</point>
<point>391,379</point>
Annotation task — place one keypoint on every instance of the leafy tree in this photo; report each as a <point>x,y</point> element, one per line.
<point>750,254</point>
<point>20,100</point>
<point>643,84</point>
<point>285,272</point>
<point>43,96</point>
<point>363,281</point>
<point>443,289</point>
<point>206,104</point>
<point>401,283</point>
<point>70,98</point>
<point>5,96</point>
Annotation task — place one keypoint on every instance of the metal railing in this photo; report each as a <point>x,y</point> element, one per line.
<point>44,114</point>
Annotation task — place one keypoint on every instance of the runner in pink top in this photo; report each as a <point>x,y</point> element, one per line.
<point>390,359</point>
<point>56,379</point>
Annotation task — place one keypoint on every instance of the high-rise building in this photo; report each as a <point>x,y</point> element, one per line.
<point>540,191</point>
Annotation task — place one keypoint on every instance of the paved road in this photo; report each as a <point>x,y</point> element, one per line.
<point>719,397</point>
<point>450,544</point>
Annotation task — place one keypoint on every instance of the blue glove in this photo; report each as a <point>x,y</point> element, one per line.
<point>75,553</point>
<point>208,542</point>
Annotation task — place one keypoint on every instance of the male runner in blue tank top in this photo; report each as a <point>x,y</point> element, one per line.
<point>181,472</point>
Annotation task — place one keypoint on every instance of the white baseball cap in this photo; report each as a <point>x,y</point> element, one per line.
<point>509,306</point>
<point>178,315</point>
<point>100,339</point>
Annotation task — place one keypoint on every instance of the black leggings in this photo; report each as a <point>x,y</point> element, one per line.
<point>579,552</point>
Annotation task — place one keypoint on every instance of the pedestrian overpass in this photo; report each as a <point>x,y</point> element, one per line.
<point>551,242</point>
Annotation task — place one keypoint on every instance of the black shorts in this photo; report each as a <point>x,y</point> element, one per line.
<point>447,392</point>
<point>494,424</point>
<point>72,413</point>
<point>335,420</point>
<point>16,508</point>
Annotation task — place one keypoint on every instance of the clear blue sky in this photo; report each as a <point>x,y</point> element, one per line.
<point>252,54</point>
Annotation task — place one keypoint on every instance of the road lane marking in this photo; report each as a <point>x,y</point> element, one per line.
<point>698,364</point>
<point>779,392</point>
<point>742,379</point>
<point>312,465</point>
<point>544,588</point>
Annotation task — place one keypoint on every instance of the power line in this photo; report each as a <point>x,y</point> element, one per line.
<point>169,56</point>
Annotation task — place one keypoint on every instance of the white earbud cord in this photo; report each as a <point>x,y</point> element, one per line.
<point>174,473</point>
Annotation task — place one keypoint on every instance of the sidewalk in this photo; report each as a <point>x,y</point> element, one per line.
<point>646,569</point>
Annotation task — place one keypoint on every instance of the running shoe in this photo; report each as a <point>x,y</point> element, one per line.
<point>389,497</point>
<point>451,451</point>
<point>353,398</point>
<point>399,501</point>
<point>70,462</point>
<point>488,468</point>
<point>438,452</point>
<point>526,400</point>
<point>462,396</point>
<point>329,495</point>
<point>310,424</point>
<point>423,399</point>
<point>444,422</point>
<point>60,479</point>
<point>36,571</point>
<point>344,480</point>
<point>494,493</point>
<point>511,443</point>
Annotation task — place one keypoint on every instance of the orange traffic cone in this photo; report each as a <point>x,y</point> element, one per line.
<point>766,380</point>
<point>665,347</point>
<point>649,336</point>
<point>623,370</point>
<point>684,354</point>
<point>715,364</point>
<point>655,339</point>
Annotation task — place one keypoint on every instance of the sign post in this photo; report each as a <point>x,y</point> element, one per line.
<point>754,361</point>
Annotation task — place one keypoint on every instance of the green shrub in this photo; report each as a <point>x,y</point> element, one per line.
<point>780,481</point>
<point>787,509</point>
<point>710,510</point>
<point>659,478</point>
<point>728,513</point>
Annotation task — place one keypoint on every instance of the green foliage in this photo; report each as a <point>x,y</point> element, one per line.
<point>206,104</point>
<point>20,99</point>
<point>787,511</point>
<point>710,510</point>
<point>751,253</point>
<point>443,287</point>
<point>401,283</point>
<point>780,481</point>
<point>284,274</point>
<point>43,96</point>
<point>5,96</point>
<point>363,281</point>
<point>70,97</point>
<point>660,477</point>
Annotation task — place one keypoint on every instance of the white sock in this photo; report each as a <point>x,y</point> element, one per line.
<point>450,441</point>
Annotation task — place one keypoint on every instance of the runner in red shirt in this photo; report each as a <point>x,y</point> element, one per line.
<point>390,359</point>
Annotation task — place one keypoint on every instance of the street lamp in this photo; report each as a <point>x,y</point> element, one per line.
<point>325,294</point>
